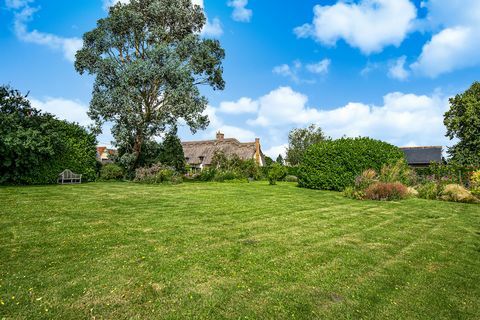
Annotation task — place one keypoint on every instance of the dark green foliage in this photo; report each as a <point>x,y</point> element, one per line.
<point>463,123</point>
<point>232,165</point>
<point>280,160</point>
<point>171,152</point>
<point>148,59</point>
<point>36,147</point>
<point>299,140</point>
<point>268,161</point>
<point>111,171</point>
<point>277,172</point>
<point>334,165</point>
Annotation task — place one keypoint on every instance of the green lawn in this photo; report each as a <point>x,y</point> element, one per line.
<point>249,251</point>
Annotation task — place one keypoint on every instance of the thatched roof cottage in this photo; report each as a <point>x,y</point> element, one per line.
<point>199,154</point>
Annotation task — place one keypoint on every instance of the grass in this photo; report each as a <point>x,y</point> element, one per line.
<point>250,251</point>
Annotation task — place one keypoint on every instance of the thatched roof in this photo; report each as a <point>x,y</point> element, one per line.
<point>198,152</point>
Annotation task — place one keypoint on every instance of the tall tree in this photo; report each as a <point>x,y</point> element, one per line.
<point>171,152</point>
<point>300,139</point>
<point>148,60</point>
<point>463,123</point>
<point>280,160</point>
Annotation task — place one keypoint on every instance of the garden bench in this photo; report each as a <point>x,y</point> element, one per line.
<point>67,177</point>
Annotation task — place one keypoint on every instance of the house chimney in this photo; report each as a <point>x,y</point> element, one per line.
<point>220,136</point>
<point>257,150</point>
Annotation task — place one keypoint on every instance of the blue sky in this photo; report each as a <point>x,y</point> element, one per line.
<point>379,68</point>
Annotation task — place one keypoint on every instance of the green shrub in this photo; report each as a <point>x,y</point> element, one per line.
<point>157,173</point>
<point>366,179</point>
<point>475,183</point>
<point>111,171</point>
<point>334,165</point>
<point>35,147</point>
<point>226,175</point>
<point>290,178</point>
<point>277,172</point>
<point>398,172</point>
<point>457,193</point>
<point>353,193</point>
<point>207,174</point>
<point>386,191</point>
<point>429,190</point>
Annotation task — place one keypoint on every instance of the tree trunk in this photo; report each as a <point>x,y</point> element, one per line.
<point>137,148</point>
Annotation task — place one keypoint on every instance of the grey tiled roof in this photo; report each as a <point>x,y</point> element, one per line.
<point>423,155</point>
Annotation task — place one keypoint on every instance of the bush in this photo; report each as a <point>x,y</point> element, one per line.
<point>334,165</point>
<point>475,183</point>
<point>429,190</point>
<point>276,172</point>
<point>398,172</point>
<point>225,175</point>
<point>412,192</point>
<point>291,179</point>
<point>366,179</point>
<point>457,193</point>
<point>386,191</point>
<point>353,193</point>
<point>111,171</point>
<point>157,173</point>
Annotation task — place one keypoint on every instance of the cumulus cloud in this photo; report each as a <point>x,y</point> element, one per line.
<point>402,119</point>
<point>243,105</point>
<point>369,25</point>
<point>240,12</point>
<point>24,14</point>
<point>397,69</point>
<point>274,151</point>
<point>64,109</point>
<point>456,45</point>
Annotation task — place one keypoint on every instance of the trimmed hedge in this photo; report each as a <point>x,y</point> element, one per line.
<point>334,165</point>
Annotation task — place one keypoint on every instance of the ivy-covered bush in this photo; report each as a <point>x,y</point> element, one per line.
<point>334,165</point>
<point>36,147</point>
<point>111,171</point>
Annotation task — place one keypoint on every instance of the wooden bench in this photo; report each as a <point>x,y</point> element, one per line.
<point>68,177</point>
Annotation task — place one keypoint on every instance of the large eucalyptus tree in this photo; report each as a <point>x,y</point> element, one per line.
<point>148,59</point>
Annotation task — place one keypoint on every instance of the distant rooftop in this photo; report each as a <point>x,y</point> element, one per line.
<point>423,155</point>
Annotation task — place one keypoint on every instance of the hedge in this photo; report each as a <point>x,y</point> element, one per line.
<point>334,164</point>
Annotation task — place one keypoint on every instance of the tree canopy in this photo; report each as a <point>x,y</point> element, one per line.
<point>463,123</point>
<point>148,60</point>
<point>299,140</point>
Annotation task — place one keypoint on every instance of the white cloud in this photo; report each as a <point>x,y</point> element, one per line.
<point>320,67</point>
<point>282,106</point>
<point>23,14</point>
<point>240,12</point>
<point>457,44</point>
<point>293,71</point>
<point>369,25</point>
<point>212,28</point>
<point>449,50</point>
<point>243,105</point>
<point>274,151</point>
<point>64,109</point>
<point>397,70</point>
<point>402,119</point>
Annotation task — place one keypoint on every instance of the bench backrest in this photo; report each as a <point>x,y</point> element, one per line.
<point>68,174</point>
